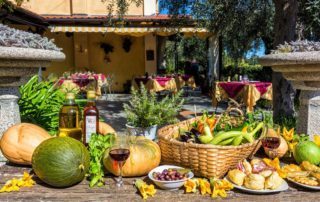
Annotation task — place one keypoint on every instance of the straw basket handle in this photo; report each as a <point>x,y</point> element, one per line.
<point>233,109</point>
<point>234,106</point>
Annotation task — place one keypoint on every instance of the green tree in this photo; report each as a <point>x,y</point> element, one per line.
<point>309,19</point>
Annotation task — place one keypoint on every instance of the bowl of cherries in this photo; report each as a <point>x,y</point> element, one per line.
<point>170,177</point>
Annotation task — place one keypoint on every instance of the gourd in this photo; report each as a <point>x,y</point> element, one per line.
<point>281,150</point>
<point>105,128</point>
<point>61,161</point>
<point>19,142</point>
<point>145,155</point>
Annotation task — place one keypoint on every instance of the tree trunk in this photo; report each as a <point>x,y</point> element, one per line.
<point>284,29</point>
<point>161,47</point>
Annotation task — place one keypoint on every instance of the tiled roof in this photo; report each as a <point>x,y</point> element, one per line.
<point>132,17</point>
<point>104,17</point>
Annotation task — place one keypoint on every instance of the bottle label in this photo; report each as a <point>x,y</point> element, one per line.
<point>91,127</point>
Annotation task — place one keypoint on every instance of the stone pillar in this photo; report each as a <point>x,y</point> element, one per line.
<point>213,58</point>
<point>9,112</point>
<point>302,69</point>
<point>12,75</point>
<point>309,113</point>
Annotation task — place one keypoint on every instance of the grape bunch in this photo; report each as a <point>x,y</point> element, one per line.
<point>170,175</point>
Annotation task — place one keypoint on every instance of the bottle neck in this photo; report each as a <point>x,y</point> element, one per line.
<point>70,102</point>
<point>91,102</point>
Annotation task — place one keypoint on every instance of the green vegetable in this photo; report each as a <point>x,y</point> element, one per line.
<point>224,136</point>
<point>61,161</point>
<point>307,151</point>
<point>97,146</point>
<point>207,137</point>
<point>228,141</point>
<point>40,103</point>
<point>250,136</point>
<point>237,141</point>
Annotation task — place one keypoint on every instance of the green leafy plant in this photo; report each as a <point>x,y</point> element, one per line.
<point>97,147</point>
<point>40,103</point>
<point>144,109</point>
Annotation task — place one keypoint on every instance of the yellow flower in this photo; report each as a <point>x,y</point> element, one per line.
<point>275,163</point>
<point>191,185</point>
<point>292,146</point>
<point>219,187</point>
<point>16,184</point>
<point>244,129</point>
<point>204,186</point>
<point>288,134</point>
<point>219,192</point>
<point>316,139</point>
<point>144,189</point>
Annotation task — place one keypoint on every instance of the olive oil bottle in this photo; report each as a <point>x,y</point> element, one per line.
<point>91,117</point>
<point>69,118</point>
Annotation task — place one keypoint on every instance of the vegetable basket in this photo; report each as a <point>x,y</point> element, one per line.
<point>205,160</point>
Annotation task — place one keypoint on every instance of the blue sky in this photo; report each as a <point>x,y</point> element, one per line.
<point>260,51</point>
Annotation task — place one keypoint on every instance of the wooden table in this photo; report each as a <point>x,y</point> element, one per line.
<point>156,84</point>
<point>247,93</point>
<point>185,80</point>
<point>82,192</point>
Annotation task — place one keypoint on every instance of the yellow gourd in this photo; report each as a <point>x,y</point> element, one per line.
<point>19,142</point>
<point>145,155</point>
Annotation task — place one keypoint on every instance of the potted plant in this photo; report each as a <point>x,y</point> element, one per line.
<point>145,112</point>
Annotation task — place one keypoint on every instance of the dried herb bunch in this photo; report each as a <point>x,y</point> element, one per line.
<point>10,37</point>
<point>297,46</point>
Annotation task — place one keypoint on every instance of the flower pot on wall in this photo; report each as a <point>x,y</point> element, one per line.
<point>149,132</point>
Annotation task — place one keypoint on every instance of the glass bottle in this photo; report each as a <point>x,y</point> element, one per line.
<point>91,117</point>
<point>69,118</point>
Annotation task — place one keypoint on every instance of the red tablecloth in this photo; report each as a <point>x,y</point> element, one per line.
<point>155,84</point>
<point>247,92</point>
<point>162,80</point>
<point>233,88</point>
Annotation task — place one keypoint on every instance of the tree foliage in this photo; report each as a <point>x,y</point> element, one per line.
<point>241,23</point>
<point>186,49</point>
<point>309,19</point>
<point>119,7</point>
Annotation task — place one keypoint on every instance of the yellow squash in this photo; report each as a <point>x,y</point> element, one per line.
<point>19,141</point>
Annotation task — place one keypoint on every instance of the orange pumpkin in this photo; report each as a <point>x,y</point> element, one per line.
<point>145,155</point>
<point>105,128</point>
<point>19,141</point>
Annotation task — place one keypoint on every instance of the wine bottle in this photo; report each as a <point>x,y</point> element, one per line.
<point>91,117</point>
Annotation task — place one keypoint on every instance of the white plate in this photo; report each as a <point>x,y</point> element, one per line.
<point>304,185</point>
<point>168,184</point>
<point>284,186</point>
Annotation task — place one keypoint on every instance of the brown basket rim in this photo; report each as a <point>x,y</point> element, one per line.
<point>166,137</point>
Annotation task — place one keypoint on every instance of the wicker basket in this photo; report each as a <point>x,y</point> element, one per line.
<point>205,160</point>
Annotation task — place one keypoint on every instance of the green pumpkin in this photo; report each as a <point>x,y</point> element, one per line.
<point>61,161</point>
